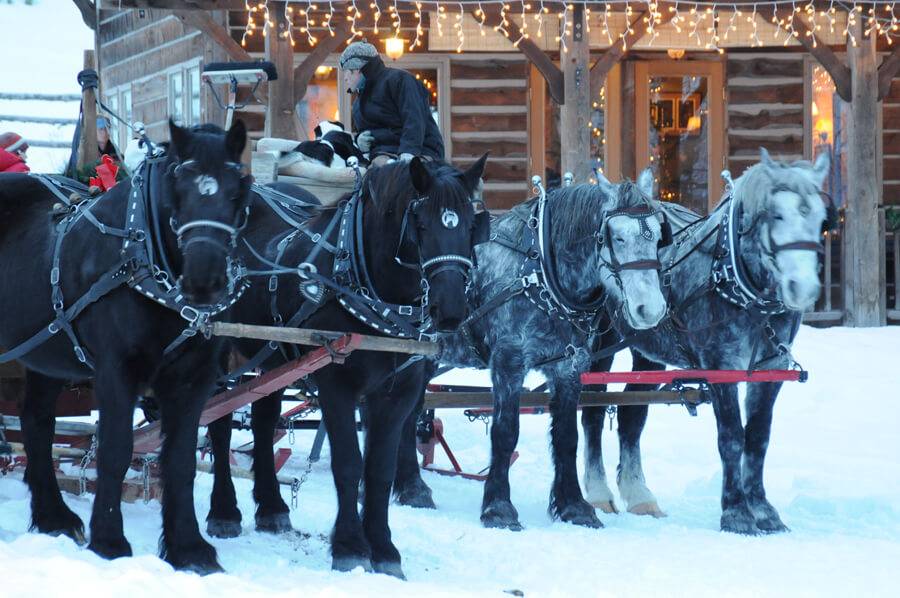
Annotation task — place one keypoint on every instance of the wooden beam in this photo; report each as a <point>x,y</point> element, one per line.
<point>306,69</point>
<point>889,68</point>
<point>203,22</point>
<point>575,113</point>
<point>839,72</point>
<point>280,112</point>
<point>552,74</point>
<point>88,150</point>
<point>639,28</point>
<point>88,12</point>
<point>864,287</point>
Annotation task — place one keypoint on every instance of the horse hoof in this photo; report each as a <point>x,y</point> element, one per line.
<point>223,528</point>
<point>581,514</point>
<point>389,568</point>
<point>647,508</point>
<point>199,558</point>
<point>739,521</point>
<point>417,496</point>
<point>66,524</point>
<point>607,506</point>
<point>349,563</point>
<point>772,526</point>
<point>501,515</point>
<point>110,549</point>
<point>276,523</point>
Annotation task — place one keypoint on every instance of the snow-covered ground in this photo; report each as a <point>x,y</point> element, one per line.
<point>833,472</point>
<point>43,51</point>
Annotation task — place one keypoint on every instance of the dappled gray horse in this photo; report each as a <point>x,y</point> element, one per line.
<point>736,283</point>
<point>538,294</point>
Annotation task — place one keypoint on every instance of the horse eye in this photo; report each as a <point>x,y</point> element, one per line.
<point>619,240</point>
<point>778,217</point>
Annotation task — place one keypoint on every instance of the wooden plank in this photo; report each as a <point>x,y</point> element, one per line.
<point>158,34</point>
<point>317,338</point>
<point>488,122</point>
<point>484,400</point>
<point>504,200</point>
<point>537,143</point>
<point>891,168</point>
<point>864,288</point>
<point>155,60</point>
<point>488,69</point>
<point>765,119</point>
<point>153,111</point>
<point>763,67</point>
<point>475,148</point>
<point>499,170</point>
<point>280,118</point>
<point>767,94</point>
<point>890,118</point>
<point>575,113</point>
<point>891,141</point>
<point>88,150</point>
<point>460,96</point>
<point>152,88</point>
<point>891,193</point>
<point>777,145</point>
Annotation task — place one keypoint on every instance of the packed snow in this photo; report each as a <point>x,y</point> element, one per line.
<point>832,472</point>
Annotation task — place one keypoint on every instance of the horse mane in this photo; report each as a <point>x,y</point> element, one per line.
<point>390,189</point>
<point>578,211</point>
<point>757,184</point>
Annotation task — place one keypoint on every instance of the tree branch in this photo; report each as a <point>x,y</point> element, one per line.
<point>889,68</point>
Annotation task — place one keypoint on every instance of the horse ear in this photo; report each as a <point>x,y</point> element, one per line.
<point>765,158</point>
<point>821,168</point>
<point>181,140</point>
<point>236,140</point>
<point>645,182</point>
<point>421,178</point>
<point>474,172</point>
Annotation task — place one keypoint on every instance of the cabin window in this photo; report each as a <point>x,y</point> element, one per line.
<point>321,100</point>
<point>176,97</point>
<point>184,96</point>
<point>193,100</point>
<point>828,118</point>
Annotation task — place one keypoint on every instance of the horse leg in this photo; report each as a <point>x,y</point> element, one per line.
<point>224,519</point>
<point>349,547</point>
<point>630,474</point>
<point>759,404</point>
<point>566,500</point>
<point>272,513</point>
<point>507,376</point>
<point>597,490</point>
<point>387,415</point>
<point>181,400</point>
<point>736,515</point>
<point>49,514</point>
<point>409,487</point>
<point>116,395</point>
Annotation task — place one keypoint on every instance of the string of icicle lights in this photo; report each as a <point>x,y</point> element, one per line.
<point>708,23</point>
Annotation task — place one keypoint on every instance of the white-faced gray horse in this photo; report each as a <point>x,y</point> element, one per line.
<point>736,283</point>
<point>537,295</point>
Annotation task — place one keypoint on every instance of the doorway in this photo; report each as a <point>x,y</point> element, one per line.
<point>679,129</point>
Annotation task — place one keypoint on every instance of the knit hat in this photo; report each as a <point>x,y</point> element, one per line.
<point>13,142</point>
<point>102,123</point>
<point>357,55</point>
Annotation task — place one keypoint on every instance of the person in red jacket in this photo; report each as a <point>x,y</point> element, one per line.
<point>12,153</point>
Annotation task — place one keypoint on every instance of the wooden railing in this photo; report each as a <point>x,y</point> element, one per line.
<point>829,309</point>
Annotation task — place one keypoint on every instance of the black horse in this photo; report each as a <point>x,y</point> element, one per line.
<point>389,260</point>
<point>125,298</point>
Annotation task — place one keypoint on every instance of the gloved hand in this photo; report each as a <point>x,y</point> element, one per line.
<point>406,157</point>
<point>364,141</point>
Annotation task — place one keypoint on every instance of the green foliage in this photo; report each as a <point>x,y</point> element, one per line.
<point>892,218</point>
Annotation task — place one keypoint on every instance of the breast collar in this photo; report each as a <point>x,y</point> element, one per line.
<point>155,279</point>
<point>539,270</point>
<point>730,278</point>
<point>361,299</point>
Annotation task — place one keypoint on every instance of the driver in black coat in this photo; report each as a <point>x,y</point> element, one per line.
<point>391,110</point>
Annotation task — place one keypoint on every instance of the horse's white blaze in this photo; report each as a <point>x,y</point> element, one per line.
<point>449,219</point>
<point>797,271</point>
<point>644,303</point>
<point>206,184</point>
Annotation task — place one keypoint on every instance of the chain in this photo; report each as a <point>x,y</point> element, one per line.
<point>145,475</point>
<point>290,426</point>
<point>298,482</point>
<point>85,461</point>
<point>611,412</point>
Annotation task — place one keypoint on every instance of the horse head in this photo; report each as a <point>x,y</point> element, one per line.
<point>442,221</point>
<point>208,198</point>
<point>626,233</point>
<point>781,207</point>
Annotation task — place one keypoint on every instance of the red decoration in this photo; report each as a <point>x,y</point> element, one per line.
<point>106,174</point>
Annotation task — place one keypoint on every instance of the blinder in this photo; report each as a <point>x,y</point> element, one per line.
<point>641,214</point>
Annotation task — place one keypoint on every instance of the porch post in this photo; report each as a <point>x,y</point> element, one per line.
<point>280,119</point>
<point>864,267</point>
<point>575,113</point>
